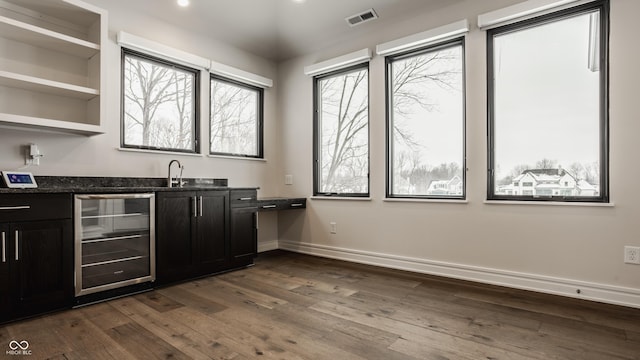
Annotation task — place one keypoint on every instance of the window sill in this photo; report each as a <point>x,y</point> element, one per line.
<point>176,153</point>
<point>237,158</point>
<point>548,203</point>
<point>341,198</point>
<point>416,200</point>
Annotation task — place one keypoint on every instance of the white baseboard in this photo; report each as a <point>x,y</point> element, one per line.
<point>267,245</point>
<point>558,286</point>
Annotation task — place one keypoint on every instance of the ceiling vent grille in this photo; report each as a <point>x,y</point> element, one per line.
<point>362,17</point>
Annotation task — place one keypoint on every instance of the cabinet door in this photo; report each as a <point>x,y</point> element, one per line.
<point>243,235</point>
<point>41,266</point>
<point>5,286</point>
<point>175,236</point>
<point>212,248</point>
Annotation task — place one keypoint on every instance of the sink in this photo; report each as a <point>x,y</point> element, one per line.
<point>201,182</point>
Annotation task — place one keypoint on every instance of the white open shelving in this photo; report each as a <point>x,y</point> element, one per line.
<point>52,67</point>
<point>35,84</point>
<point>27,33</point>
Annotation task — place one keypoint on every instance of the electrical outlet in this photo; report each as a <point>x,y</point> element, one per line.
<point>334,227</point>
<point>32,155</point>
<point>632,255</point>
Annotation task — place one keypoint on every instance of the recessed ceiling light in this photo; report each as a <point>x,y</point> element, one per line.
<point>299,1</point>
<point>183,3</point>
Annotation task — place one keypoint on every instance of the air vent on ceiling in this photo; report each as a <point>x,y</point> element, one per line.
<point>362,17</point>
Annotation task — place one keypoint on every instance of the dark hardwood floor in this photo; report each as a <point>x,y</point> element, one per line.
<point>292,306</point>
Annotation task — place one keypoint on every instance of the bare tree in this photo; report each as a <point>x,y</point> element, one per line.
<point>344,141</point>
<point>233,119</point>
<point>158,104</point>
<point>546,164</point>
<point>409,79</point>
<point>413,81</point>
<point>345,111</point>
<point>184,104</point>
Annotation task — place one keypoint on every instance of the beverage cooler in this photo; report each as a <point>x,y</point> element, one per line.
<point>114,241</point>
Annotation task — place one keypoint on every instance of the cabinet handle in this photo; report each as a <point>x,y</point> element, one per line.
<point>195,206</point>
<point>4,247</point>
<point>200,207</point>
<point>17,245</point>
<point>246,199</point>
<point>23,207</point>
<point>296,205</point>
<point>270,206</point>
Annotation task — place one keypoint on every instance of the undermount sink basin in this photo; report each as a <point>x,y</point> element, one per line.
<point>198,183</point>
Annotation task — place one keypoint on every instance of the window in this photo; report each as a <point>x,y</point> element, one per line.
<point>341,132</point>
<point>425,123</point>
<point>236,118</point>
<point>548,106</point>
<point>160,104</point>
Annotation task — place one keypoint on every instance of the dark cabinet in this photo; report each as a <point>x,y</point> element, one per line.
<point>43,265</point>
<point>36,268</point>
<point>244,231</point>
<point>176,232</point>
<point>4,273</point>
<point>212,237</point>
<point>244,235</point>
<point>192,234</point>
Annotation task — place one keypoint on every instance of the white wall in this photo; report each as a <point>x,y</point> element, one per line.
<point>557,249</point>
<point>75,155</point>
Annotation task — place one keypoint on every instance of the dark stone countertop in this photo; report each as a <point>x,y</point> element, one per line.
<point>112,185</point>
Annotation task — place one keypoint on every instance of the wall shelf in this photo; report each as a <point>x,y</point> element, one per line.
<point>48,86</point>
<point>40,37</point>
<point>50,125</point>
<point>52,73</point>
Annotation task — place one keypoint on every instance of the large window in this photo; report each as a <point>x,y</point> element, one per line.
<point>236,118</point>
<point>425,123</point>
<point>548,132</point>
<point>160,104</point>
<point>341,132</point>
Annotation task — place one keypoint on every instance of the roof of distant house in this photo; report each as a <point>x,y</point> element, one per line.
<point>544,175</point>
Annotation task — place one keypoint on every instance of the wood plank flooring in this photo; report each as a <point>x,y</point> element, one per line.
<point>293,306</point>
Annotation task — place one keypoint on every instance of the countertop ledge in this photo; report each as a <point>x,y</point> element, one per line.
<point>113,185</point>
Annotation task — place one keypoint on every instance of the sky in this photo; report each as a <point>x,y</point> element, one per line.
<point>438,128</point>
<point>547,98</point>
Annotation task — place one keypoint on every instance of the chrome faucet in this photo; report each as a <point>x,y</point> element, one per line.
<point>171,182</point>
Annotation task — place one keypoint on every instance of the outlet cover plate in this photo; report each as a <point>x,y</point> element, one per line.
<point>288,179</point>
<point>632,255</point>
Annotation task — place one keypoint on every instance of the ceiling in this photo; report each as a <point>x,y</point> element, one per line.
<point>281,29</point>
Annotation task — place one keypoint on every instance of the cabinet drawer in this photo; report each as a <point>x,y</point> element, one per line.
<point>281,204</point>
<point>243,198</point>
<point>112,273</point>
<point>27,207</point>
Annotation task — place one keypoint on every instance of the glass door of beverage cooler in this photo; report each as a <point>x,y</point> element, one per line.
<point>114,241</point>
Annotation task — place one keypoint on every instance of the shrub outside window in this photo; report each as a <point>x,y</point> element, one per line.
<point>548,110</point>
<point>160,104</point>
